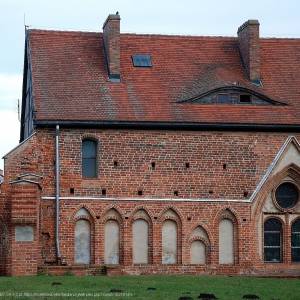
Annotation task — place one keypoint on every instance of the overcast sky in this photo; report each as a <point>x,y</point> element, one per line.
<point>188,17</point>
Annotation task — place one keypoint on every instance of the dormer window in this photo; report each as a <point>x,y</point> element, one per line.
<point>232,95</point>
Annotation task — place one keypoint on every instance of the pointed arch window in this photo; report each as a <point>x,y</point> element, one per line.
<point>89,158</point>
<point>272,240</point>
<point>295,240</point>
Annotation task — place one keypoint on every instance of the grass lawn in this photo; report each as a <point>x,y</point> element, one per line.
<point>137,287</point>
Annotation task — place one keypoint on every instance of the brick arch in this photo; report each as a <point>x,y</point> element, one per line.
<point>178,220</point>
<point>91,219</point>
<point>227,213</point>
<point>149,221</point>
<point>162,218</point>
<point>106,217</point>
<point>87,208</point>
<point>291,170</point>
<point>204,228</point>
<point>207,242</point>
<point>119,218</point>
<point>141,208</point>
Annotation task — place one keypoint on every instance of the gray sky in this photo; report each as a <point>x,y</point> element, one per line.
<point>189,17</point>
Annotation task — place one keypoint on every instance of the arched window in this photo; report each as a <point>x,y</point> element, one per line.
<point>82,251</point>
<point>296,241</point>
<point>112,242</point>
<point>226,242</point>
<point>89,158</point>
<point>140,232</point>
<point>169,242</point>
<point>272,240</point>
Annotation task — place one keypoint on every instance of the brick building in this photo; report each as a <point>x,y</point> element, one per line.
<point>155,154</point>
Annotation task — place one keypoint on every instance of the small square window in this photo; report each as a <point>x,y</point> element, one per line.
<point>141,60</point>
<point>245,98</point>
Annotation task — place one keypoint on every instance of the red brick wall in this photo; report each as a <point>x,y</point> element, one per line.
<point>246,156</point>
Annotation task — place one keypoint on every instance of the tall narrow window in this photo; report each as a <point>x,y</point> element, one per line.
<point>89,158</point>
<point>112,242</point>
<point>198,252</point>
<point>226,242</point>
<point>169,242</point>
<point>140,232</point>
<point>272,240</point>
<point>82,242</point>
<point>296,241</point>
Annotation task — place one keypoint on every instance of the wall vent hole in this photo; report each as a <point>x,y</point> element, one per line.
<point>246,194</point>
<point>115,163</point>
<point>189,218</point>
<point>72,191</point>
<point>211,191</point>
<point>155,218</point>
<point>140,192</point>
<point>103,192</point>
<point>187,165</point>
<point>97,217</point>
<point>176,193</point>
<point>224,166</point>
<point>153,165</point>
<point>126,218</point>
<point>244,220</point>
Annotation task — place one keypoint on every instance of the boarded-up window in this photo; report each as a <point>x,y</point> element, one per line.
<point>198,253</point>
<point>111,242</point>
<point>169,242</point>
<point>82,242</point>
<point>24,233</point>
<point>226,246</point>
<point>140,232</point>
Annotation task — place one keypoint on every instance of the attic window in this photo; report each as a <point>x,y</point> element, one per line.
<point>232,95</point>
<point>141,60</point>
<point>245,98</point>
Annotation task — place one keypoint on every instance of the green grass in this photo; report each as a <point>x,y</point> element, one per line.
<point>167,287</point>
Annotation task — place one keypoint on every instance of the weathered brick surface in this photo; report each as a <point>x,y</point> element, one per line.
<point>246,156</point>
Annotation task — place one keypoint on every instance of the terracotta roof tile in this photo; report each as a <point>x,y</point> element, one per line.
<point>70,78</point>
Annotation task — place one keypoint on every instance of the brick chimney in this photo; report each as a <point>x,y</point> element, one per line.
<point>111,38</point>
<point>248,37</point>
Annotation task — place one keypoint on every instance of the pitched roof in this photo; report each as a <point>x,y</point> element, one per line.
<point>70,80</point>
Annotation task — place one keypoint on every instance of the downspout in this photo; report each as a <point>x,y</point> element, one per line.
<point>57,192</point>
